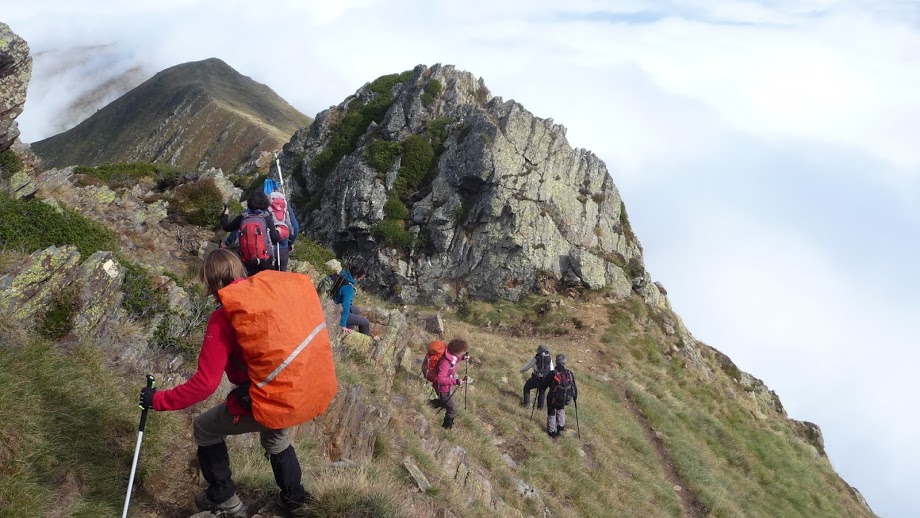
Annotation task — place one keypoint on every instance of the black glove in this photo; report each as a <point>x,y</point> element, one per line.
<point>146,399</point>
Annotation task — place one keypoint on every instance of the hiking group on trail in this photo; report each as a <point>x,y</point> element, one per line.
<point>555,386</point>
<point>269,336</point>
<point>266,230</point>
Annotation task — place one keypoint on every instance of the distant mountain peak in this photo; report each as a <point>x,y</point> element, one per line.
<point>193,115</point>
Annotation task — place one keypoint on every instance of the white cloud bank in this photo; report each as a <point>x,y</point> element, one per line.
<point>769,154</point>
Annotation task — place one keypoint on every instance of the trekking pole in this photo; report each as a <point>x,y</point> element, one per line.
<point>444,405</point>
<point>280,176</point>
<point>467,384</point>
<point>577,424</point>
<point>137,449</point>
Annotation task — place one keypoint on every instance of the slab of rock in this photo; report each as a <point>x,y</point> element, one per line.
<point>509,461</point>
<point>26,292</point>
<point>435,324</point>
<point>420,479</point>
<point>15,72</point>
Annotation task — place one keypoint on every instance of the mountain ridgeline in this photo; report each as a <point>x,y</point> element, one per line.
<point>193,116</point>
<point>449,196</point>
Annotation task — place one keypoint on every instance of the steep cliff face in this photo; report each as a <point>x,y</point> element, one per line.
<point>195,115</point>
<point>15,71</point>
<point>446,191</point>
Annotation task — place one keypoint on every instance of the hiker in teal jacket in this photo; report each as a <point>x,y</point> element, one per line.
<point>351,314</point>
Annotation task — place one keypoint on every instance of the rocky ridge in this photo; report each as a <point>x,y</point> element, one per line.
<point>505,205</point>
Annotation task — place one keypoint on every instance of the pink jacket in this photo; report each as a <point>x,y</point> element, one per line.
<point>447,373</point>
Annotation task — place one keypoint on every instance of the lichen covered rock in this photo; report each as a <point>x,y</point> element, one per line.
<point>448,192</point>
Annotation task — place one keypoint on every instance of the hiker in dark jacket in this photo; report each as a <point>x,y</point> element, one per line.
<point>345,295</point>
<point>256,204</point>
<point>221,353</point>
<point>542,365</point>
<point>447,378</point>
<point>562,391</point>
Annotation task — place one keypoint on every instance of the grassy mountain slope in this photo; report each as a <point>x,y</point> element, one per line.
<point>193,115</point>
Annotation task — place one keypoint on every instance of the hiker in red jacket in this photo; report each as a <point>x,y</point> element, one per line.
<point>447,378</point>
<point>221,353</point>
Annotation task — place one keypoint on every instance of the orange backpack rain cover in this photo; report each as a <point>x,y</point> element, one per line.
<point>281,329</point>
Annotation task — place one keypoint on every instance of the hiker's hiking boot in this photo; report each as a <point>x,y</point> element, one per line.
<point>448,423</point>
<point>299,510</point>
<point>231,508</point>
<point>560,430</point>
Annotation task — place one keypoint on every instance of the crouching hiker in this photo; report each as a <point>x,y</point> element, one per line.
<point>446,378</point>
<point>277,352</point>
<point>343,293</point>
<point>542,365</point>
<point>562,391</point>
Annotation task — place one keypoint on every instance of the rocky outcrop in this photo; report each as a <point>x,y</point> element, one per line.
<point>15,71</point>
<point>27,292</point>
<point>194,116</point>
<point>444,192</point>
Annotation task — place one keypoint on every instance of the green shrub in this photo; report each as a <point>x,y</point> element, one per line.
<point>432,90</point>
<point>396,209</point>
<point>308,250</point>
<point>58,319</point>
<point>33,225</point>
<point>141,300</point>
<point>124,175</point>
<point>393,233</point>
<point>9,163</point>
<point>415,167</point>
<point>200,203</point>
<point>172,334</point>
<point>382,154</point>
<point>437,131</point>
<point>624,222</point>
<point>348,130</point>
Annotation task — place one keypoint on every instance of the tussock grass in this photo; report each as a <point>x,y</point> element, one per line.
<point>359,493</point>
<point>67,431</point>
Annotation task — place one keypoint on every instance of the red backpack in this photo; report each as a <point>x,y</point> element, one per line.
<point>432,358</point>
<point>255,242</point>
<point>278,208</point>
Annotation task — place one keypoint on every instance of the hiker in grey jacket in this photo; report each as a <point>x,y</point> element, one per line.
<point>542,365</point>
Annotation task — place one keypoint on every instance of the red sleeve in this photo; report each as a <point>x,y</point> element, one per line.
<point>219,341</point>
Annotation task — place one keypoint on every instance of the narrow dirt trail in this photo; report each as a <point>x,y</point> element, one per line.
<point>596,327</point>
<point>693,508</point>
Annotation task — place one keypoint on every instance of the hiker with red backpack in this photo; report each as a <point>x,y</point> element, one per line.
<point>441,371</point>
<point>278,354</point>
<point>258,234</point>
<point>542,365</point>
<point>343,292</point>
<point>562,392</point>
<point>284,220</point>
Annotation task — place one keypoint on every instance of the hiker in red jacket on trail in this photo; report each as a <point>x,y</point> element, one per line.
<point>447,378</point>
<point>220,354</point>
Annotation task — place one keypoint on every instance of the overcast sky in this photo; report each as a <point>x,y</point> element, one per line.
<point>768,154</point>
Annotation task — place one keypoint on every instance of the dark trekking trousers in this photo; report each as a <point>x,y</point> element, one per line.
<point>535,382</point>
<point>356,319</point>
<point>210,430</point>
